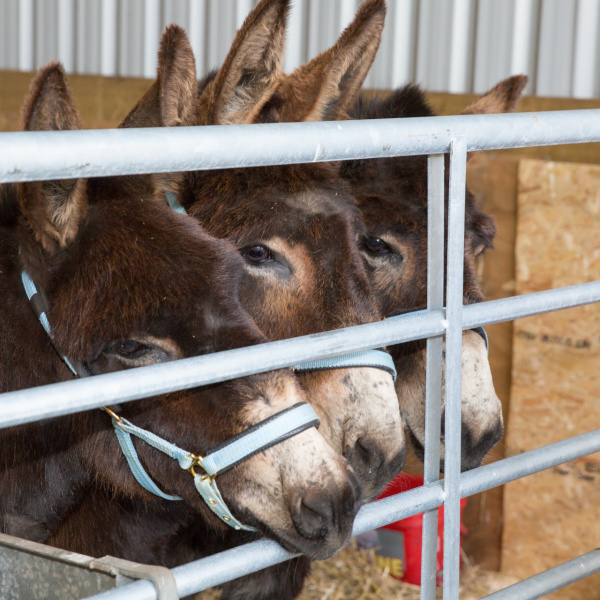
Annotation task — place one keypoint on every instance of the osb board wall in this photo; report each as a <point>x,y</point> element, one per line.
<point>554,516</point>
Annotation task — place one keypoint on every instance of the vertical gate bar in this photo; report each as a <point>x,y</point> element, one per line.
<point>433,406</point>
<point>453,364</point>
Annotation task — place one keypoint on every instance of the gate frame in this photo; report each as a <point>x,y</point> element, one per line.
<point>31,156</point>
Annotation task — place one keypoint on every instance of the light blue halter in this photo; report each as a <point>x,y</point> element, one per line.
<point>253,440</point>
<point>267,433</point>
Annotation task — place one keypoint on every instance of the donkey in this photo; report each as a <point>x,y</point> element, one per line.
<point>392,197</point>
<point>119,294</point>
<point>298,232</point>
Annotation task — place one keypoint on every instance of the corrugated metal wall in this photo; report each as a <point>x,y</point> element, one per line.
<point>446,45</point>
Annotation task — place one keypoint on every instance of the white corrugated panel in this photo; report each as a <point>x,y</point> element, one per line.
<point>585,57</point>
<point>446,45</point>
<point>506,41</point>
<point>555,52</point>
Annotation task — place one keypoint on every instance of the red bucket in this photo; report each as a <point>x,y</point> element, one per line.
<point>400,543</point>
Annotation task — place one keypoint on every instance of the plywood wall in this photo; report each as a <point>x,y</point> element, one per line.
<point>553,516</point>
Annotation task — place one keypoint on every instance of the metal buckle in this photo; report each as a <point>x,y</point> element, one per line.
<point>197,462</point>
<point>113,414</point>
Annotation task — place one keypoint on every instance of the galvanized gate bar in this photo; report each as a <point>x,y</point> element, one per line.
<point>92,153</point>
<point>527,463</point>
<point>433,377</point>
<point>551,580</point>
<point>231,564</point>
<point>453,366</point>
<point>55,155</point>
<point>527,305</point>
<point>44,402</point>
<point>219,568</point>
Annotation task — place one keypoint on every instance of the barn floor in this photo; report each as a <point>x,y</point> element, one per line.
<point>352,575</point>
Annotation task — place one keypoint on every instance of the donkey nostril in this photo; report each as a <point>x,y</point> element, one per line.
<point>364,456</point>
<point>312,515</point>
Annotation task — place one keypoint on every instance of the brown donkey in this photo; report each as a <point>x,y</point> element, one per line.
<point>298,232</point>
<point>392,196</point>
<point>120,294</point>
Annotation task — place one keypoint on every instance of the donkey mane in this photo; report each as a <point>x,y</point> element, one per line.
<point>407,101</point>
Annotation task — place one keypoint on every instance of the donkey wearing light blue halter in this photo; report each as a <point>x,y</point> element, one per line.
<point>255,439</point>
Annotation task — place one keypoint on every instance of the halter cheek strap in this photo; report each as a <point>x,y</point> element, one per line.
<point>40,305</point>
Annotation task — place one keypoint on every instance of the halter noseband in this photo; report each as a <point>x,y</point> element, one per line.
<point>253,440</point>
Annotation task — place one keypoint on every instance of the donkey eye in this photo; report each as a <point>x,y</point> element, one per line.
<point>130,348</point>
<point>376,246</point>
<point>256,254</point>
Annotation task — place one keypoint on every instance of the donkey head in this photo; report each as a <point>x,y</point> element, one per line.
<point>122,294</point>
<point>392,195</point>
<point>298,232</point>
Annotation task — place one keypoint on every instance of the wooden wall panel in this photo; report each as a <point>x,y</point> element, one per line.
<point>551,517</point>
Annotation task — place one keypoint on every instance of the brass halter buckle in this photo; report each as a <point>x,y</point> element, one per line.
<point>197,462</point>
<point>113,414</point>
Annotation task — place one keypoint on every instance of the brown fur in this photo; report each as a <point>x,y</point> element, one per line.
<point>325,88</point>
<point>55,223</point>
<point>502,98</point>
<point>172,99</point>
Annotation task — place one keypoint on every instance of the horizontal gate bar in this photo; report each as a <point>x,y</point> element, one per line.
<point>516,307</point>
<point>92,153</point>
<point>551,580</point>
<point>231,564</point>
<point>45,402</point>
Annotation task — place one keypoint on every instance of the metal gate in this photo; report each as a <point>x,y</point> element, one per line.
<point>66,154</point>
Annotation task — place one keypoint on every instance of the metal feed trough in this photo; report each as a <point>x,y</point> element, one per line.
<point>54,155</point>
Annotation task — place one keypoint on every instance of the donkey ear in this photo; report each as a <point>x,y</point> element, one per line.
<point>172,99</point>
<point>52,209</point>
<point>251,69</point>
<point>501,98</point>
<point>325,88</point>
